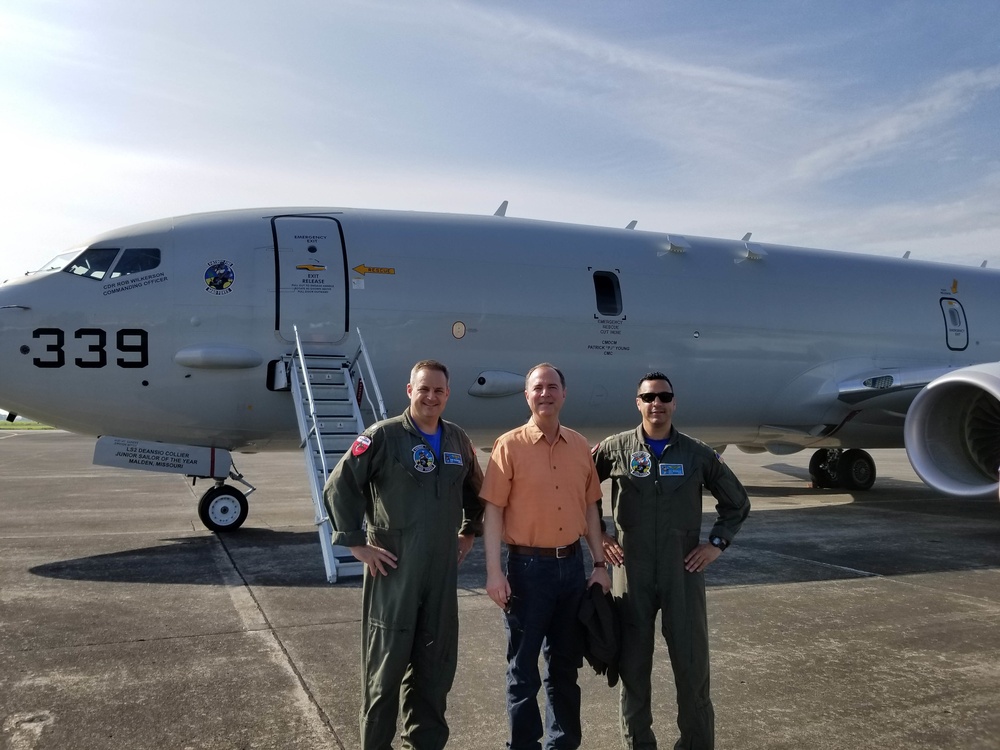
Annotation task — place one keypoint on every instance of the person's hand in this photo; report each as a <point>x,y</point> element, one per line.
<point>465,545</point>
<point>600,575</point>
<point>701,557</point>
<point>498,589</point>
<point>613,551</point>
<point>376,558</point>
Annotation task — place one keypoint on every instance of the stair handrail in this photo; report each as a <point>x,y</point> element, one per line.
<point>314,420</point>
<point>361,357</point>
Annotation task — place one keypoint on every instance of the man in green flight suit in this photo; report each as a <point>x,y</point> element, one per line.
<point>415,481</point>
<point>657,475</point>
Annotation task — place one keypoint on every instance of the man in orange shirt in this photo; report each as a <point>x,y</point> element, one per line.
<point>541,491</point>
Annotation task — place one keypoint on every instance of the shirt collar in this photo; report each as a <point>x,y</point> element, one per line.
<point>535,434</point>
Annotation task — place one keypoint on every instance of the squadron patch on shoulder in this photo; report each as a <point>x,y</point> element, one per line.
<point>639,464</point>
<point>361,444</point>
<point>423,459</point>
<point>453,459</point>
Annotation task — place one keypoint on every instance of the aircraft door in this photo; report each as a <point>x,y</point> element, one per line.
<point>311,268</point>
<point>955,326</point>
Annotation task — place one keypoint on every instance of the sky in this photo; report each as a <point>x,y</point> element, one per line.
<point>856,125</point>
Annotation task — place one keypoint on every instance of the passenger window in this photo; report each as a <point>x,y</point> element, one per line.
<point>137,260</point>
<point>609,293</point>
<point>93,262</point>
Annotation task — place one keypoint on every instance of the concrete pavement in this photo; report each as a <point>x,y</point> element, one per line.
<point>837,621</point>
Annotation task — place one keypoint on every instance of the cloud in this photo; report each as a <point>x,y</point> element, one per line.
<point>859,144</point>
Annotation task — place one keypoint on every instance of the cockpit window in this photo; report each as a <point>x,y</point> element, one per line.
<point>136,260</point>
<point>57,263</point>
<point>93,262</point>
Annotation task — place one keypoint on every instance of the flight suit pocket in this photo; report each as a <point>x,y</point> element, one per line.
<point>388,539</point>
<point>397,504</point>
<point>628,511</point>
<point>684,495</point>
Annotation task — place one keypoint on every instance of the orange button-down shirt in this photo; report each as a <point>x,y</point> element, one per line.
<point>544,489</point>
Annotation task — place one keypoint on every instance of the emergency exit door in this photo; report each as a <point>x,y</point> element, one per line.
<point>311,269</point>
<point>955,326</point>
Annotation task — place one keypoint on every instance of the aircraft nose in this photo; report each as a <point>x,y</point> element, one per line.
<point>14,312</point>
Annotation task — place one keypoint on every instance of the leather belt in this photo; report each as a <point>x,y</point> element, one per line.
<point>567,550</point>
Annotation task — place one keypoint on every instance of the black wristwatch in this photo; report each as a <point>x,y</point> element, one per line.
<point>718,541</point>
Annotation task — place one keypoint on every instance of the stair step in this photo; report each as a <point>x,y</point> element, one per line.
<point>334,446</point>
<point>337,426</point>
<point>334,426</point>
<point>334,409</point>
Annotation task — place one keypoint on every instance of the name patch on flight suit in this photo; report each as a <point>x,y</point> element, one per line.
<point>640,464</point>
<point>453,459</point>
<point>671,470</point>
<point>423,459</point>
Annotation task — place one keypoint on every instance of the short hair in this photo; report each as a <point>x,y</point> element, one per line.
<point>428,364</point>
<point>562,378</point>
<point>655,375</point>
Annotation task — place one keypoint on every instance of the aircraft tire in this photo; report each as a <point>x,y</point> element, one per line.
<point>823,469</point>
<point>856,470</point>
<point>223,508</point>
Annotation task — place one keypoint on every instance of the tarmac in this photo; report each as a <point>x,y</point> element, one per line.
<point>837,621</point>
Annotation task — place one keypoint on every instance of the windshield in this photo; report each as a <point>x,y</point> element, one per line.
<point>57,263</point>
<point>93,262</point>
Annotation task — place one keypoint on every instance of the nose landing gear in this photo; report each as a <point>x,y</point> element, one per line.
<point>223,507</point>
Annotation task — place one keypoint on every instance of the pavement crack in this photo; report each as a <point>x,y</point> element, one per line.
<point>249,607</point>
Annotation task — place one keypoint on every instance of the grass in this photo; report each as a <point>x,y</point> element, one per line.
<point>5,425</point>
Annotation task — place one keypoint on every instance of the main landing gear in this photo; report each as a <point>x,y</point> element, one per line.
<point>852,469</point>
<point>223,507</point>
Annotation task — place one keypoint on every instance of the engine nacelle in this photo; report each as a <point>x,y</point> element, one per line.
<point>952,432</point>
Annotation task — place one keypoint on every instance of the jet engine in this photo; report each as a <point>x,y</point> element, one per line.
<point>952,432</point>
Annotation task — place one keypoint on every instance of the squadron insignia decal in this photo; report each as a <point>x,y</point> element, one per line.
<point>640,464</point>
<point>423,459</point>
<point>219,277</point>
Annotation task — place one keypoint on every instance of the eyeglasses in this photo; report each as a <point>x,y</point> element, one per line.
<point>664,396</point>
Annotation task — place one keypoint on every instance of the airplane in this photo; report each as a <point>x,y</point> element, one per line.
<point>178,342</point>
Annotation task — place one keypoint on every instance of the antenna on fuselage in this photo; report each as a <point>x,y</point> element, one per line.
<point>502,211</point>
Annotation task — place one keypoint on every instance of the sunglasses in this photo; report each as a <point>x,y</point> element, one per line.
<point>664,396</point>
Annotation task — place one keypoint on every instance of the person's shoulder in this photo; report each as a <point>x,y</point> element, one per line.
<point>696,445</point>
<point>618,440</point>
<point>454,426</point>
<point>519,433</point>
<point>573,437</point>
<point>456,430</point>
<point>385,426</point>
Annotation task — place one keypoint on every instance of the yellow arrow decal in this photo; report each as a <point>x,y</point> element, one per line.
<point>363,269</point>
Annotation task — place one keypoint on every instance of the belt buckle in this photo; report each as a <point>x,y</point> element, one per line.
<point>560,550</point>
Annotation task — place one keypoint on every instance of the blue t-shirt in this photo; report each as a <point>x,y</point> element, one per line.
<point>658,446</point>
<point>433,441</point>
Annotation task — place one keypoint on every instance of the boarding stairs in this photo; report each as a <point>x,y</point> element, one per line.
<point>328,390</point>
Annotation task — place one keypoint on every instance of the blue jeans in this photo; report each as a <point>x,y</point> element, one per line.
<point>542,618</point>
